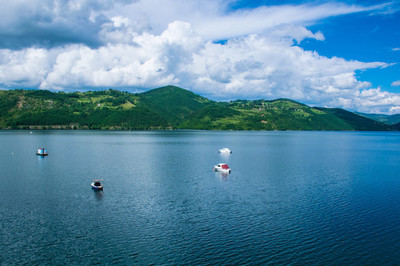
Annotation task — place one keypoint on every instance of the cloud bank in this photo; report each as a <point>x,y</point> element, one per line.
<point>128,49</point>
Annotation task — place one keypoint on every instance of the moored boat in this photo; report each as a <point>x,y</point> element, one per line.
<point>96,184</point>
<point>42,152</point>
<point>222,167</point>
<point>225,150</point>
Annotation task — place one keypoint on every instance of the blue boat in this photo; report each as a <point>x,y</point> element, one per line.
<point>42,152</point>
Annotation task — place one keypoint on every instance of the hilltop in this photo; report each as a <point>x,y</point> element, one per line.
<point>168,107</point>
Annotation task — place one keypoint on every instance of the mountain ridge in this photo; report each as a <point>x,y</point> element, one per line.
<point>386,119</point>
<point>168,107</point>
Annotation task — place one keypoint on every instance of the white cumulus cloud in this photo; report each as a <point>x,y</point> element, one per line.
<point>248,67</point>
<point>214,20</point>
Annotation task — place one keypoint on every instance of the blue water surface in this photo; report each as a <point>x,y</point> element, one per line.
<point>292,198</point>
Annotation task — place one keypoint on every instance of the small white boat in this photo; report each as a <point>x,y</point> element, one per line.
<point>225,150</point>
<point>96,184</point>
<point>42,152</point>
<point>222,167</point>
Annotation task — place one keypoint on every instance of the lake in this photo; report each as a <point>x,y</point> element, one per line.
<point>292,198</point>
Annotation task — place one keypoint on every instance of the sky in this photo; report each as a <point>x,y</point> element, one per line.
<point>323,53</point>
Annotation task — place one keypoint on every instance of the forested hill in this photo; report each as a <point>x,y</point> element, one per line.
<point>167,108</point>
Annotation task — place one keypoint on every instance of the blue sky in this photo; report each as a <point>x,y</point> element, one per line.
<point>365,38</point>
<point>358,36</point>
<point>322,53</point>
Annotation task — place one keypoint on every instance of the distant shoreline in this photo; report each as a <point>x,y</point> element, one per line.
<point>184,129</point>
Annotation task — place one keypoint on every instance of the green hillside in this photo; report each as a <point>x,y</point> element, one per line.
<point>174,103</point>
<point>386,119</point>
<point>281,114</point>
<point>167,108</point>
<point>91,110</point>
<point>396,127</point>
<point>358,122</point>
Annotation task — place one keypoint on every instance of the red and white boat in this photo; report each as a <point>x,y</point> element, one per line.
<point>222,167</point>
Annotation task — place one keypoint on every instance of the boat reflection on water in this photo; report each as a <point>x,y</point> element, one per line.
<point>41,158</point>
<point>98,194</point>
<point>225,156</point>
<point>222,176</point>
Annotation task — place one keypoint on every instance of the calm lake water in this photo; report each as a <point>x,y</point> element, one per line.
<point>292,197</point>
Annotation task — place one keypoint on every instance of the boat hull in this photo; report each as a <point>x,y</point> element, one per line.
<point>217,169</point>
<point>96,187</point>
